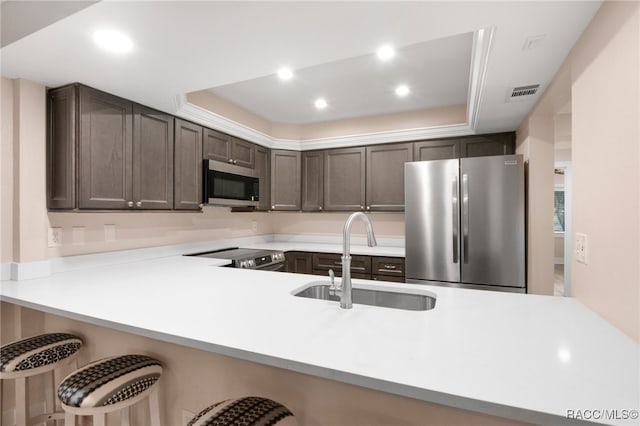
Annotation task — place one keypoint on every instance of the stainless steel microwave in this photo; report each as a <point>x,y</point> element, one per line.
<point>229,185</point>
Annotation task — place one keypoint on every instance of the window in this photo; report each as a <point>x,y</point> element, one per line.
<point>558,210</point>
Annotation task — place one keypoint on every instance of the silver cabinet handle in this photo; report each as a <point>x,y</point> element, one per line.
<point>201,205</point>
<point>235,161</point>
<point>230,160</point>
<point>455,215</point>
<point>273,207</point>
<point>465,218</point>
<point>320,208</point>
<point>337,263</point>
<point>138,203</point>
<point>361,207</point>
<point>368,207</point>
<point>389,266</point>
<point>129,203</point>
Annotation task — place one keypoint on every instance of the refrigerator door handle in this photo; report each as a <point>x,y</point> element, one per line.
<point>455,217</point>
<point>465,218</point>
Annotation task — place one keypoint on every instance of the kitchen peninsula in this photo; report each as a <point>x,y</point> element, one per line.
<point>553,355</point>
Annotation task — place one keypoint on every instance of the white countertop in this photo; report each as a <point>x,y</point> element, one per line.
<point>524,357</point>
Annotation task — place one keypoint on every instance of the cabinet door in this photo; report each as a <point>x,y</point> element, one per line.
<point>298,262</point>
<point>216,145</point>
<point>188,166</point>
<point>490,144</point>
<point>437,149</point>
<point>61,148</point>
<point>243,153</point>
<point>385,176</point>
<point>312,181</point>
<point>344,179</point>
<point>263,166</point>
<point>285,180</point>
<point>152,158</point>
<point>105,151</point>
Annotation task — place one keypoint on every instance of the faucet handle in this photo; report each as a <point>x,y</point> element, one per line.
<point>333,289</point>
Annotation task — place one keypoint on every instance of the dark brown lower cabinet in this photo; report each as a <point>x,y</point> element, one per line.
<point>299,262</point>
<point>362,267</point>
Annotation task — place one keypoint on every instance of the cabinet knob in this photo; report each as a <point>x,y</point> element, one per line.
<point>129,203</point>
<point>361,207</point>
<point>273,207</point>
<point>320,208</point>
<point>138,203</point>
<point>230,161</point>
<point>235,161</point>
<point>368,207</point>
<point>201,205</point>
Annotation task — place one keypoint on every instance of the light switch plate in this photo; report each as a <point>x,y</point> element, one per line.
<point>54,237</point>
<point>581,248</point>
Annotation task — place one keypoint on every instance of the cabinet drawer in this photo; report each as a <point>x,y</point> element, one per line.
<point>338,273</point>
<point>388,266</point>
<point>326,261</point>
<point>387,278</point>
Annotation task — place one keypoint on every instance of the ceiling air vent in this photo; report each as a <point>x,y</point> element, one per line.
<point>522,92</point>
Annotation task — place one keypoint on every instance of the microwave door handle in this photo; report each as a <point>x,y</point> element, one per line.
<point>455,217</point>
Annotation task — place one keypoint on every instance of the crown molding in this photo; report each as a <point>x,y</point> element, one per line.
<point>482,42</point>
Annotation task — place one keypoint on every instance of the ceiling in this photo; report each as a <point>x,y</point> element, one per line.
<point>234,49</point>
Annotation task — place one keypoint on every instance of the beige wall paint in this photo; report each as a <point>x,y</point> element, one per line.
<point>193,379</point>
<point>535,143</point>
<point>453,114</point>
<point>134,230</point>
<point>6,171</point>
<point>389,225</point>
<point>606,164</point>
<point>29,130</point>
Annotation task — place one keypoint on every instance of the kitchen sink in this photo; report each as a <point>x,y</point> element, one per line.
<point>371,297</point>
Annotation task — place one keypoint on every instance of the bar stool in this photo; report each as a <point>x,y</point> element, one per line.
<point>249,411</point>
<point>111,384</point>
<point>29,357</point>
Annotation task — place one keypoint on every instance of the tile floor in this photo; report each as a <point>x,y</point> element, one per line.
<point>558,283</point>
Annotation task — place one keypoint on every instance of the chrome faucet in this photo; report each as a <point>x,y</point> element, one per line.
<point>345,288</point>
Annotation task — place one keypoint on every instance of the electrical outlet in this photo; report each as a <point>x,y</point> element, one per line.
<point>54,237</point>
<point>109,233</point>
<point>581,248</point>
<point>77,235</point>
<point>187,416</point>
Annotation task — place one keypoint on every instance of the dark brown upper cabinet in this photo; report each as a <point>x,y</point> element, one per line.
<point>61,147</point>
<point>490,144</point>
<point>437,149</point>
<point>105,151</point>
<point>188,166</point>
<point>263,168</point>
<point>313,181</point>
<point>229,149</point>
<point>216,146</point>
<point>285,180</point>
<point>385,176</point>
<point>152,158</point>
<point>344,179</point>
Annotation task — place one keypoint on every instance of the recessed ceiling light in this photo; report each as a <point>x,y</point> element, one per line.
<point>402,90</point>
<point>285,73</point>
<point>320,103</point>
<point>113,41</point>
<point>386,52</point>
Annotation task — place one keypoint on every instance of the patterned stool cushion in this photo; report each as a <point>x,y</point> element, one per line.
<point>248,411</point>
<point>38,351</point>
<point>109,381</point>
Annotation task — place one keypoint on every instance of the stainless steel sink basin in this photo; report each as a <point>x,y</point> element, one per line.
<point>371,297</point>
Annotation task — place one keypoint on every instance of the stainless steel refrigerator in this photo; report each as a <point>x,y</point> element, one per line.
<point>465,223</point>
